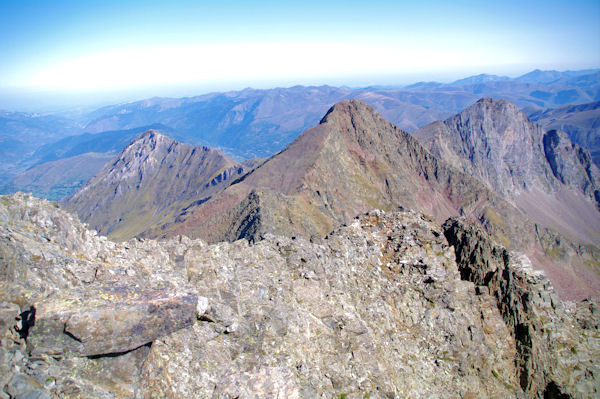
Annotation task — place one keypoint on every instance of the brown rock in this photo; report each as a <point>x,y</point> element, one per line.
<point>107,319</point>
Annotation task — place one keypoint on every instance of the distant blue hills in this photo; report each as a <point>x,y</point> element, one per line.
<point>258,123</point>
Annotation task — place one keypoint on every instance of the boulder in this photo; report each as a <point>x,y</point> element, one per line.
<point>107,319</point>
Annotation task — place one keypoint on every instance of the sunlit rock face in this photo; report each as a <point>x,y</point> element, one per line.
<point>382,307</point>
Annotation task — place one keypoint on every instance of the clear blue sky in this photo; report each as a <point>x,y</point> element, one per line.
<point>70,45</point>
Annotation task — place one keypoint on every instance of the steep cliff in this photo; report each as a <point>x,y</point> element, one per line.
<point>544,174</point>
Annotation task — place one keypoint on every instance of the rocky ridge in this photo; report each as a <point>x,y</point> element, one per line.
<point>538,320</point>
<point>379,308</point>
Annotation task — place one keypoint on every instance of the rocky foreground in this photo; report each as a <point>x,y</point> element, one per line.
<point>384,307</point>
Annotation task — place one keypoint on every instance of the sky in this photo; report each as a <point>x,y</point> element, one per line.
<point>161,46</point>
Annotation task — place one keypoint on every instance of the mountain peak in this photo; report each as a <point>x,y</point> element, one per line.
<point>347,109</point>
<point>150,133</point>
<point>496,143</point>
<point>493,141</point>
<point>501,113</point>
<point>356,119</point>
<point>353,161</point>
<point>152,136</point>
<point>153,177</point>
<point>493,102</point>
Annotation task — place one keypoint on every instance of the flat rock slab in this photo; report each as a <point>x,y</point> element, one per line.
<point>107,319</point>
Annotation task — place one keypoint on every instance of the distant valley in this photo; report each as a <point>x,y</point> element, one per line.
<point>258,123</point>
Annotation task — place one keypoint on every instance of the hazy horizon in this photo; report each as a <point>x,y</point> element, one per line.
<point>57,101</point>
<point>69,53</point>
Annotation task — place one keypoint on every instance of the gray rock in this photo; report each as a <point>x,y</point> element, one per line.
<point>35,394</point>
<point>380,308</point>
<point>572,164</point>
<point>22,384</point>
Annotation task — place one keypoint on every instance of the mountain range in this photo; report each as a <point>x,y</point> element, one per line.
<point>258,123</point>
<point>356,261</point>
<point>523,185</point>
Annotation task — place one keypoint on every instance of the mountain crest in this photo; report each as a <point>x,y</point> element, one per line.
<point>152,136</point>
<point>493,108</point>
<point>353,114</point>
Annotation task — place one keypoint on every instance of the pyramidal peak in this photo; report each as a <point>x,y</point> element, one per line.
<point>349,108</point>
<point>145,153</point>
<point>153,178</point>
<point>353,161</point>
<point>352,115</point>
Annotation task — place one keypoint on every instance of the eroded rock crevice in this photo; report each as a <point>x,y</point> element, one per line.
<point>548,361</point>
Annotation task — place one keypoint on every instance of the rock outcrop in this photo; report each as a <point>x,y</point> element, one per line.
<point>77,308</point>
<point>571,164</point>
<point>581,122</point>
<point>379,308</point>
<point>554,355</point>
<point>107,319</point>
